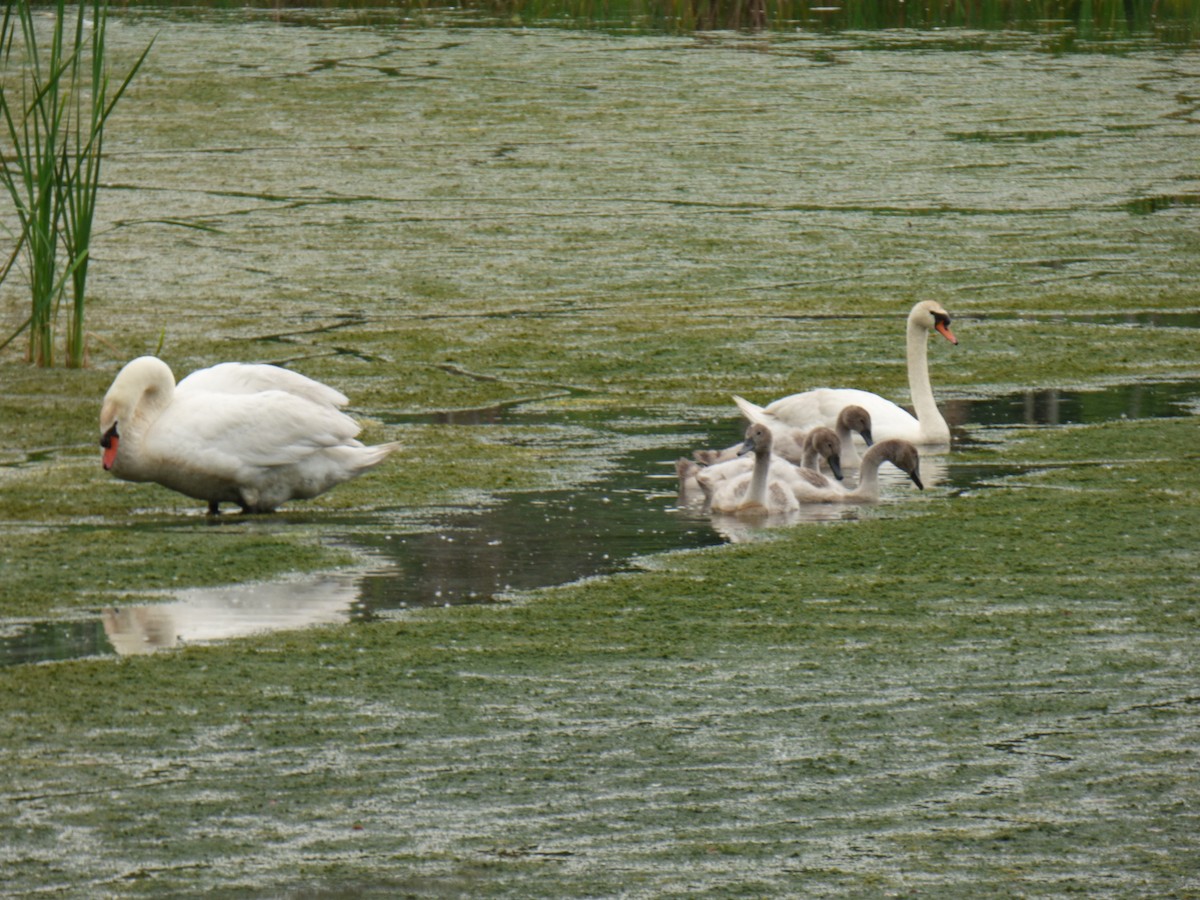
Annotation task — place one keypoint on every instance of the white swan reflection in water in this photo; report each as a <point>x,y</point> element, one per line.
<point>204,615</point>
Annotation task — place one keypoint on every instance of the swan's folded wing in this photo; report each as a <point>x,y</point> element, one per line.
<point>784,469</point>
<point>807,409</point>
<point>229,431</point>
<point>816,479</point>
<point>250,378</point>
<point>727,469</point>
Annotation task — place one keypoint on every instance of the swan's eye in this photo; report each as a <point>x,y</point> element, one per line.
<point>107,440</point>
<point>941,319</point>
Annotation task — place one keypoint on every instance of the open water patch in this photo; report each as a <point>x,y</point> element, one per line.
<point>1079,406</point>
<point>533,539</point>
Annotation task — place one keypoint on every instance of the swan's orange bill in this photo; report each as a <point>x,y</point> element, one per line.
<point>944,330</point>
<point>110,453</point>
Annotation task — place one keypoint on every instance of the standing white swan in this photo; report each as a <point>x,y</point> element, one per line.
<point>822,405</point>
<point>814,487</point>
<point>255,435</point>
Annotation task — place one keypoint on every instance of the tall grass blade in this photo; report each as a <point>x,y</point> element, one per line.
<point>81,162</point>
<point>52,172</point>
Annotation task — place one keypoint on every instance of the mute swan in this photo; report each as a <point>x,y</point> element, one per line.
<point>766,489</point>
<point>820,445</point>
<point>822,405</point>
<point>853,419</point>
<point>686,471</point>
<point>813,487</point>
<point>255,435</point>
<point>789,441</point>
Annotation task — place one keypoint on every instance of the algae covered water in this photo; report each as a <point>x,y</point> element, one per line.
<point>576,244</point>
<point>545,538</point>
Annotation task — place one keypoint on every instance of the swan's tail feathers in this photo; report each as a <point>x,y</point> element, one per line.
<point>685,468</point>
<point>373,456</point>
<point>756,414</point>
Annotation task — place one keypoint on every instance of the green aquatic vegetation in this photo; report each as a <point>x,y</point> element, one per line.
<point>987,685</point>
<point>969,680</point>
<point>1171,19</point>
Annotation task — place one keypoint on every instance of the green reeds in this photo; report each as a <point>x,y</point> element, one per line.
<point>55,123</point>
<point>1175,19</point>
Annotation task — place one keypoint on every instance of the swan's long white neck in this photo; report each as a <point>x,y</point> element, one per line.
<point>138,396</point>
<point>933,427</point>
<point>149,405</point>
<point>757,495</point>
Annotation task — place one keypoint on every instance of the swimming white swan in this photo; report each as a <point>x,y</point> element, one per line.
<point>765,490</point>
<point>814,487</point>
<point>821,445</point>
<point>686,471</point>
<point>790,441</point>
<point>822,405</point>
<point>255,435</point>
<point>853,420</point>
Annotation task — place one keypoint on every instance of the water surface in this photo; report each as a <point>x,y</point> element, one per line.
<point>481,201</point>
<point>536,539</point>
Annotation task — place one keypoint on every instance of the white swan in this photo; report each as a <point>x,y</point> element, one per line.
<point>790,441</point>
<point>255,435</point>
<point>765,490</point>
<point>814,487</point>
<point>822,405</point>
<point>821,445</point>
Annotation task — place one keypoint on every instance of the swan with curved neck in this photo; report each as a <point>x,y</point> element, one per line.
<point>790,441</point>
<point>821,445</point>
<point>822,405</point>
<point>853,420</point>
<point>765,490</point>
<point>815,487</point>
<point>255,435</point>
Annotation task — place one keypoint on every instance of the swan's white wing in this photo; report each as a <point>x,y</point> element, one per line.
<point>815,487</point>
<point>222,432</point>
<point>789,440</point>
<point>729,493</point>
<point>753,412</point>
<point>727,469</point>
<point>249,378</point>
<point>781,470</point>
<point>822,406</point>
